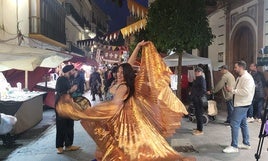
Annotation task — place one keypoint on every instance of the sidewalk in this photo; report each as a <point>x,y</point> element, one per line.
<point>207,147</point>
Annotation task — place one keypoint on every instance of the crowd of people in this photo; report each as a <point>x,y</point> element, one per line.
<point>128,96</point>
<point>244,98</point>
<point>131,124</point>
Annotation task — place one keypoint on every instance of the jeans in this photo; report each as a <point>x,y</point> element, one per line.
<point>230,108</point>
<point>239,120</point>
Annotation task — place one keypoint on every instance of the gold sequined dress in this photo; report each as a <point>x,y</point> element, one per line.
<point>136,130</point>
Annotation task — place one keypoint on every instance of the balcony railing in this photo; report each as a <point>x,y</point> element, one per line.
<point>70,11</point>
<point>75,49</point>
<point>51,22</point>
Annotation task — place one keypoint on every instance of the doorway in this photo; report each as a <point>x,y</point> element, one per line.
<point>244,45</point>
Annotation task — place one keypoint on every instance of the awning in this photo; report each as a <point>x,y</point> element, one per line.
<point>27,58</point>
<point>4,68</point>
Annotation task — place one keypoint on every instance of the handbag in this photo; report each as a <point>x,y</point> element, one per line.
<point>204,101</point>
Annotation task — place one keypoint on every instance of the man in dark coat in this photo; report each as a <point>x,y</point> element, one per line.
<point>257,106</point>
<point>95,84</point>
<point>198,90</point>
<point>64,126</point>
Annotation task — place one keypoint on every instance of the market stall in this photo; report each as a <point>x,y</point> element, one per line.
<point>16,59</point>
<point>49,88</point>
<point>26,106</point>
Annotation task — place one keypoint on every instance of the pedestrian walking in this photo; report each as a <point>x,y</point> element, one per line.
<point>243,95</point>
<point>95,85</point>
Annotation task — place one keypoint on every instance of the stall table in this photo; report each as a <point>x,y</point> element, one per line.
<point>49,88</point>
<point>27,107</point>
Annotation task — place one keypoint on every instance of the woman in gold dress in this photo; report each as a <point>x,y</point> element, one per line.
<point>143,112</point>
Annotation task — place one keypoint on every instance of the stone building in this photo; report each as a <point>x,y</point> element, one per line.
<point>241,30</point>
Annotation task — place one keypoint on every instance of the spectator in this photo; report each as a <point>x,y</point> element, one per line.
<point>256,108</point>
<point>111,80</point>
<point>227,79</point>
<point>79,80</point>
<point>243,96</point>
<point>198,90</point>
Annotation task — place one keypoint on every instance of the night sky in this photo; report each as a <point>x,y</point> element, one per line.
<point>117,14</point>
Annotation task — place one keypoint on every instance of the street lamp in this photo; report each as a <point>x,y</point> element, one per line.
<point>92,34</point>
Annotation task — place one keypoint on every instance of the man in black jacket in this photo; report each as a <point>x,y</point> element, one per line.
<point>198,91</point>
<point>64,126</point>
<point>95,84</point>
<point>256,108</point>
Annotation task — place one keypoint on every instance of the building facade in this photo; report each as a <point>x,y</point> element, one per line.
<point>241,31</point>
<point>51,24</point>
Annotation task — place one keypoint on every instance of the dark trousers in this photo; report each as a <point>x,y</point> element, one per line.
<point>99,94</point>
<point>96,90</point>
<point>199,110</point>
<point>258,106</point>
<point>64,132</point>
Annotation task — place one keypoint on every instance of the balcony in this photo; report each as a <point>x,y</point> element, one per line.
<point>47,22</point>
<point>74,16</point>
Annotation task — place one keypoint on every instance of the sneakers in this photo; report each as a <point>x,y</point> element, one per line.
<point>72,148</point>
<point>230,149</point>
<point>59,150</point>
<point>197,132</point>
<point>244,146</point>
<point>226,123</point>
<point>250,119</point>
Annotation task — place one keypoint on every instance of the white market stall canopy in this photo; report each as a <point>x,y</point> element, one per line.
<point>188,60</point>
<point>27,58</point>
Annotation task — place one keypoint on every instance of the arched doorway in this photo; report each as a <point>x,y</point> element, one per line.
<point>244,45</point>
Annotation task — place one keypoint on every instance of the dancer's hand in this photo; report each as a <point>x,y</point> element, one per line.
<point>142,43</point>
<point>135,52</point>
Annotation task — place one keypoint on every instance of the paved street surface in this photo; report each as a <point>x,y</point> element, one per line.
<point>207,147</point>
